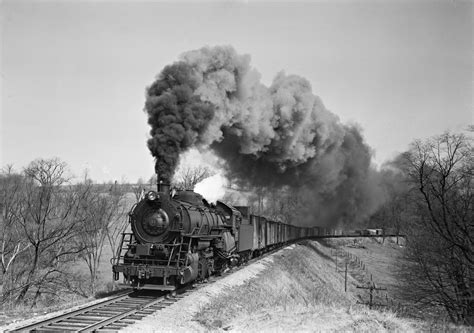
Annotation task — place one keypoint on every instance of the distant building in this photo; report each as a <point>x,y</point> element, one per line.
<point>375,231</point>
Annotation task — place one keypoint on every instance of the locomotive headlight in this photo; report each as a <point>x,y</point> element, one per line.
<point>152,195</point>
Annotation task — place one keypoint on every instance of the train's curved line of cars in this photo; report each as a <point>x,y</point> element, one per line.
<point>181,238</point>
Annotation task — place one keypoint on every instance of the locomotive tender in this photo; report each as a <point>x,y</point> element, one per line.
<point>180,238</point>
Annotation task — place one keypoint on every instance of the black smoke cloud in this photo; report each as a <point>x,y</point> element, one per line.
<point>176,115</point>
<point>271,137</point>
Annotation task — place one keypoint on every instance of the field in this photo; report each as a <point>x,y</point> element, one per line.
<point>381,262</point>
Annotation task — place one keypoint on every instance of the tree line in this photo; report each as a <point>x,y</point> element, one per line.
<point>430,199</point>
<point>51,230</point>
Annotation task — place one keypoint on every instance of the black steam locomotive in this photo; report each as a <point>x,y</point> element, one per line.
<point>180,238</point>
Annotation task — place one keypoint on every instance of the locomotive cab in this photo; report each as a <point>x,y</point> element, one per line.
<point>232,216</point>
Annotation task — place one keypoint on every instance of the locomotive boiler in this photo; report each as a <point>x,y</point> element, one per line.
<point>179,238</point>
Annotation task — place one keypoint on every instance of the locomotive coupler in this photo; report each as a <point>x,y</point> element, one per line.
<point>143,272</point>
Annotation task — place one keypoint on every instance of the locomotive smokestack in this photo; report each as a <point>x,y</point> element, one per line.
<point>163,187</point>
<point>162,179</point>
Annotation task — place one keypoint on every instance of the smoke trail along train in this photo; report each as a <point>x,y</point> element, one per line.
<point>270,137</point>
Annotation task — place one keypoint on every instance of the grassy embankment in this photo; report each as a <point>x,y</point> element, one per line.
<point>302,291</point>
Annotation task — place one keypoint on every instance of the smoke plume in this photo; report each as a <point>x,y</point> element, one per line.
<point>178,117</point>
<point>270,137</point>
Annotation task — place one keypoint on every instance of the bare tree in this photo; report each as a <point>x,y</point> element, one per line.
<point>117,222</point>
<point>153,181</point>
<point>12,243</point>
<point>138,190</point>
<point>394,213</point>
<point>97,210</point>
<point>187,177</point>
<point>441,246</point>
<point>280,204</point>
<point>48,225</point>
<point>47,217</point>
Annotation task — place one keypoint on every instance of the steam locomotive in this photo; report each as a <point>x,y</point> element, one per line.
<point>180,238</point>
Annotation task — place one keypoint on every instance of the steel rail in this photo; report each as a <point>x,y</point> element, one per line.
<point>111,314</point>
<point>118,317</point>
<point>63,316</point>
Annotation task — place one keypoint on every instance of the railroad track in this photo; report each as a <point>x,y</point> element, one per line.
<point>118,312</point>
<point>108,316</point>
<point>123,310</point>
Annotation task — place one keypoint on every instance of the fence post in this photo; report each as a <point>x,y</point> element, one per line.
<point>370,298</point>
<point>345,279</point>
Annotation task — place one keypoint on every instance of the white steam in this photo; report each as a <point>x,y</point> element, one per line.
<point>212,188</point>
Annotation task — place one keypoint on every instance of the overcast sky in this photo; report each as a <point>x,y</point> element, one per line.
<point>74,73</point>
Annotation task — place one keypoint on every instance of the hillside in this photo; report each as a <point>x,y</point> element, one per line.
<point>296,288</point>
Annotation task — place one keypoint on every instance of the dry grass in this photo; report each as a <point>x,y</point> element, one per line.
<point>21,312</point>
<point>292,280</point>
<point>384,262</point>
<point>301,291</point>
<point>381,260</point>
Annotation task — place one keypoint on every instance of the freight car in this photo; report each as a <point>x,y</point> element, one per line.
<point>180,238</point>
